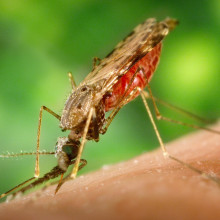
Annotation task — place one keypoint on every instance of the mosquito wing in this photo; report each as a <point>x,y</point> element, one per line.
<point>129,51</point>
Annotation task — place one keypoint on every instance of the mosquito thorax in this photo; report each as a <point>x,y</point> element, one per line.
<point>77,107</point>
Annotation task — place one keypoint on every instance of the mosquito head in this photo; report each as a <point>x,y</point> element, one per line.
<point>65,151</point>
<point>77,107</point>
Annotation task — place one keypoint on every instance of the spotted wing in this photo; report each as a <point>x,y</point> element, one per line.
<point>129,51</point>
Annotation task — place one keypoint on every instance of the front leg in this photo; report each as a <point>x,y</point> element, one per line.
<point>37,167</point>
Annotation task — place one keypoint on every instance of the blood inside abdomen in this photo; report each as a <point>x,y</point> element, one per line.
<point>147,66</point>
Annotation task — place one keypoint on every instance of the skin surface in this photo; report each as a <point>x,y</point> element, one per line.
<point>145,187</point>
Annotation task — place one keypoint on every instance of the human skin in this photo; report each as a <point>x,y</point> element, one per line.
<point>146,187</point>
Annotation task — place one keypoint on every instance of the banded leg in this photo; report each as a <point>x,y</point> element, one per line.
<point>37,168</point>
<point>165,152</point>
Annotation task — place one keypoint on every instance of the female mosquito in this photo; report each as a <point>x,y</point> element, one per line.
<point>113,82</point>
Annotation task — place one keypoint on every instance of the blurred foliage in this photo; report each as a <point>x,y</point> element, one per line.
<point>40,41</point>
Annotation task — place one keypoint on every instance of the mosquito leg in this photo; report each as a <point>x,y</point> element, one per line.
<point>178,109</point>
<point>160,117</point>
<point>72,81</point>
<point>27,181</point>
<point>76,166</point>
<point>165,153</point>
<point>16,187</point>
<point>37,168</point>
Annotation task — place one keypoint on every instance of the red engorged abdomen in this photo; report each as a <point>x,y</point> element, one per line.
<point>147,64</point>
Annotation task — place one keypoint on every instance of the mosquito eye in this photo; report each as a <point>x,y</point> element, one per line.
<point>67,149</point>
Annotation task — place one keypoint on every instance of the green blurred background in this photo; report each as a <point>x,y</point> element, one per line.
<point>40,41</point>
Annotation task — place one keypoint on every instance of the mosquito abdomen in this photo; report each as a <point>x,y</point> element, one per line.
<point>147,67</point>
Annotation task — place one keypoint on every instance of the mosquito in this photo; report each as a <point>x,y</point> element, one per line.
<point>114,81</point>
